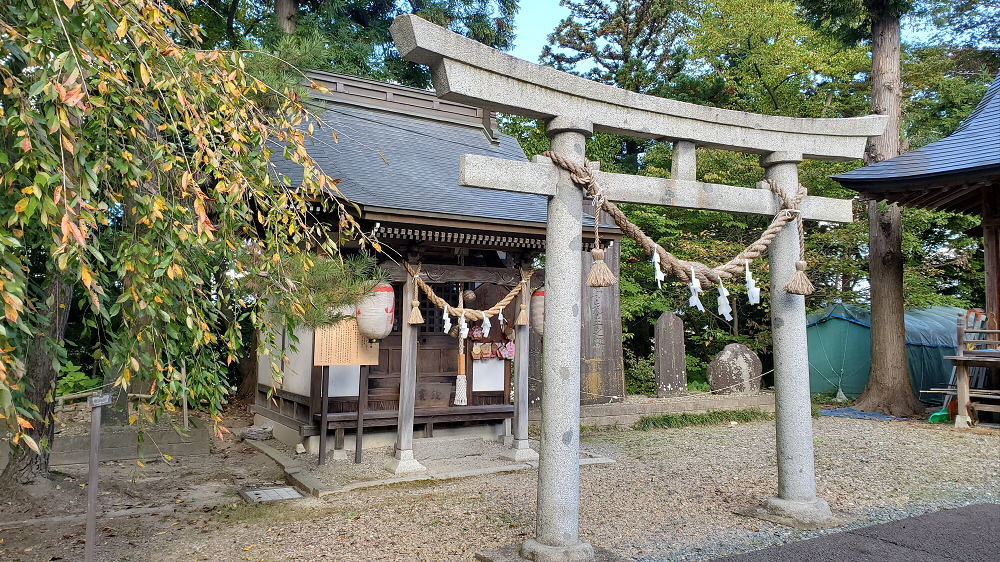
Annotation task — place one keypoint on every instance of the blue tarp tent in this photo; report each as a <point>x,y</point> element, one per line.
<point>840,348</point>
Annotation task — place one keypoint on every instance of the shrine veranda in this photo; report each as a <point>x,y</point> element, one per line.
<point>575,108</point>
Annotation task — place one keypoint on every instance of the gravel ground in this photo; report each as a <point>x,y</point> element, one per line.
<point>670,496</point>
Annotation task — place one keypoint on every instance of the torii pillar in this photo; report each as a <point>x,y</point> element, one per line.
<point>796,501</point>
<point>557,527</point>
<point>469,72</point>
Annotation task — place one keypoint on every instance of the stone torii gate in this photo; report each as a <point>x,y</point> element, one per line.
<point>470,72</point>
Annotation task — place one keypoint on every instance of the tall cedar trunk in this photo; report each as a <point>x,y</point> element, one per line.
<point>24,466</point>
<point>247,369</point>
<point>286,12</point>
<point>889,388</point>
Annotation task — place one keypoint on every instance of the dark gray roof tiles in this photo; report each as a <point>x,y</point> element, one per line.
<point>974,148</point>
<point>409,163</point>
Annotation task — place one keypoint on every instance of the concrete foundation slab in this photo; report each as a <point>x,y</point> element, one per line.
<point>966,533</point>
<point>626,413</point>
<point>435,448</point>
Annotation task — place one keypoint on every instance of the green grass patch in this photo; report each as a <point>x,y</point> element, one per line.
<point>830,399</point>
<point>718,417</point>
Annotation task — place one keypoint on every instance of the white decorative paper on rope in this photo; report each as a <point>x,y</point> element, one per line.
<point>463,327</point>
<point>657,271</point>
<point>486,327</point>
<point>753,291</point>
<point>725,308</point>
<point>447,320</point>
<point>695,287</point>
<point>501,319</point>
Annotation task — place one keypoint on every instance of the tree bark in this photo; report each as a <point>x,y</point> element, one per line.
<point>286,12</point>
<point>247,369</point>
<point>889,389</point>
<point>24,466</point>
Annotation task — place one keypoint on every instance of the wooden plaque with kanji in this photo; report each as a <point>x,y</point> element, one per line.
<point>343,344</point>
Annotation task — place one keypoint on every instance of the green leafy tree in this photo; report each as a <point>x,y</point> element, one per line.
<point>349,36</point>
<point>964,23</point>
<point>766,57</point>
<point>776,62</point>
<point>137,169</point>
<point>877,24</point>
<point>633,44</point>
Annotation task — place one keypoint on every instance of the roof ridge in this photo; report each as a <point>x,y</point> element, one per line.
<point>989,98</point>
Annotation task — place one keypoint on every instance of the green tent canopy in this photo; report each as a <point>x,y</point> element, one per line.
<point>840,348</point>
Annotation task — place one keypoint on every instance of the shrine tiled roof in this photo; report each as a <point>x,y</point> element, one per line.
<point>408,162</point>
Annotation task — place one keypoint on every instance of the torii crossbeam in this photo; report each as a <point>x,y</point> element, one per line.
<point>470,72</point>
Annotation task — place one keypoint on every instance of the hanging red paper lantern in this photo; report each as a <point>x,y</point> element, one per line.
<point>537,311</point>
<point>376,313</point>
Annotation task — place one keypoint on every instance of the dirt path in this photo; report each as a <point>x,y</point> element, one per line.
<point>671,495</point>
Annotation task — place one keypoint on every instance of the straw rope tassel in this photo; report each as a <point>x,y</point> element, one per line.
<point>415,316</point>
<point>799,284</point>
<point>522,315</point>
<point>600,274</point>
<point>461,385</point>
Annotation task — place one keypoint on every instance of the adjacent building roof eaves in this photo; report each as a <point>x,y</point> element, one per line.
<point>971,153</point>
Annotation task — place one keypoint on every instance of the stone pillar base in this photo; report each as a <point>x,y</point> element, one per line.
<point>520,451</point>
<point>963,422</point>
<point>338,454</point>
<point>403,462</point>
<point>579,552</point>
<point>800,514</point>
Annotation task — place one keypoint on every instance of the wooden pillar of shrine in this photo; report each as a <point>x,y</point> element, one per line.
<point>991,249</point>
<point>402,460</point>
<point>520,448</point>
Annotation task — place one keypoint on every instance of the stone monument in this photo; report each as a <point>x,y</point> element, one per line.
<point>735,370</point>
<point>670,359</point>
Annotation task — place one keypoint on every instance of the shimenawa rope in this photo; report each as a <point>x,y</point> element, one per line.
<point>471,313</point>
<point>799,284</point>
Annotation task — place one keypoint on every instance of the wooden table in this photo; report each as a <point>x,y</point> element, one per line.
<point>962,364</point>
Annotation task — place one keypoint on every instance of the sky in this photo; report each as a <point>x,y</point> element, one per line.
<point>535,20</point>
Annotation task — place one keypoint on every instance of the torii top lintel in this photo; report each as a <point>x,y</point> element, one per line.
<point>467,71</point>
